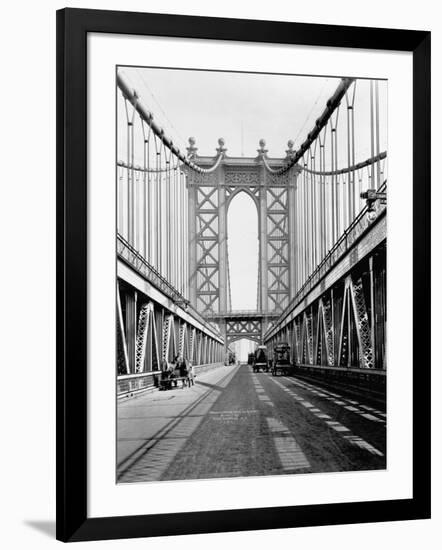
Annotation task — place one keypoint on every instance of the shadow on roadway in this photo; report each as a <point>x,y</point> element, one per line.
<point>212,386</point>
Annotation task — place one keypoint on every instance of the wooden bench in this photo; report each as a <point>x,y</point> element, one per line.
<point>168,383</point>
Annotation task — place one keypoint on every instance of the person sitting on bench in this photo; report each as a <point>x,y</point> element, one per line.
<point>182,368</point>
<point>173,372</point>
<point>165,382</point>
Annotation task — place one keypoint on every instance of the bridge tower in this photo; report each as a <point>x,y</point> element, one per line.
<point>209,196</point>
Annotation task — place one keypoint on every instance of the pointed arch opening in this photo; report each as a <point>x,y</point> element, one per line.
<point>243,252</point>
<point>242,348</point>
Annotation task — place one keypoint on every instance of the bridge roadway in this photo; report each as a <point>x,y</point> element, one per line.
<point>233,422</point>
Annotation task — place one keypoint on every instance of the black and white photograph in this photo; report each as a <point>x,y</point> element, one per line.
<point>214,334</point>
<point>251,274</point>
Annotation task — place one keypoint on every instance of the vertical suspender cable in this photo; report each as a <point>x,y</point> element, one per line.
<point>120,192</point>
<point>168,221</point>
<point>333,167</point>
<point>161,193</point>
<point>311,215</point>
<point>305,224</point>
<point>145,176</point>
<point>120,195</point>
<point>360,176</point>
<point>129,200</point>
<point>158,209</point>
<point>328,193</point>
<point>314,207</point>
<point>128,173</point>
<point>136,209</point>
<point>183,244</point>
<point>351,153</point>
<point>378,150</point>
<point>324,203</point>
<point>302,229</point>
<point>178,231</point>
<point>131,184</point>
<point>173,224</point>
<point>335,183</point>
<point>371,169</point>
<point>150,203</point>
<point>296,235</point>
<point>186,240</point>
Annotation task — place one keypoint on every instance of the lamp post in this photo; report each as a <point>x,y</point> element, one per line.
<point>182,303</point>
<point>371,196</point>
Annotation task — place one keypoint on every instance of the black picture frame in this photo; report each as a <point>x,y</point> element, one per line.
<point>73,25</point>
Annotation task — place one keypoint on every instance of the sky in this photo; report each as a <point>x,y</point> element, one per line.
<point>243,108</point>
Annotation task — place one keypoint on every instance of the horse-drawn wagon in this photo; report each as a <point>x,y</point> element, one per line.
<point>281,359</point>
<point>260,360</point>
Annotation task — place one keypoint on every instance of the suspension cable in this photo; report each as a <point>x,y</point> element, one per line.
<point>353,168</point>
<point>332,104</point>
<point>131,96</point>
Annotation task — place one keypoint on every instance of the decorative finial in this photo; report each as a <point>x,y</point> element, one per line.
<point>290,152</point>
<point>221,148</point>
<point>191,150</point>
<point>262,150</point>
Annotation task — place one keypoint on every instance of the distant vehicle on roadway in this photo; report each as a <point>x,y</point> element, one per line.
<point>281,359</point>
<point>231,358</point>
<point>260,359</point>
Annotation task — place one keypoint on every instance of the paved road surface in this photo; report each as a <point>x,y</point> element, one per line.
<point>237,423</point>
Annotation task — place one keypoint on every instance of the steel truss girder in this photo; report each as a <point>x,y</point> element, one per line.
<point>144,319</point>
<point>315,330</point>
<point>297,331</point>
<point>146,323</point>
<point>158,335</point>
<point>192,352</point>
<point>307,337</point>
<point>167,336</point>
<point>122,355</point>
<point>329,329</point>
<point>237,329</point>
<point>354,308</point>
<point>362,323</point>
<point>182,341</point>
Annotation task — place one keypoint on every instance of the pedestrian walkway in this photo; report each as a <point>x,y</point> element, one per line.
<point>158,423</point>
